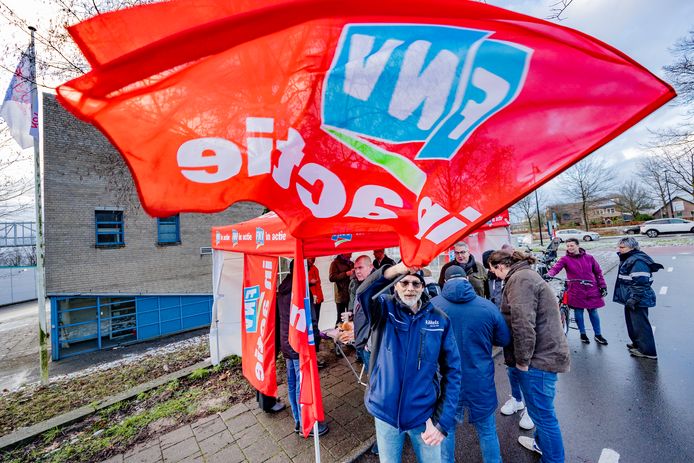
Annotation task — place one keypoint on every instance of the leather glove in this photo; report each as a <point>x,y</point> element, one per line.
<point>546,277</point>
<point>603,292</point>
<point>631,304</point>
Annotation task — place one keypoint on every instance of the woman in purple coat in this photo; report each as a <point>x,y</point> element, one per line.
<point>580,265</point>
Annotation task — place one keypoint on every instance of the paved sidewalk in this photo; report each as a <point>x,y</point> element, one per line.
<point>244,433</point>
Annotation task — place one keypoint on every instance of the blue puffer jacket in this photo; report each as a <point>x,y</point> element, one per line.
<point>415,364</point>
<point>635,278</point>
<point>477,325</point>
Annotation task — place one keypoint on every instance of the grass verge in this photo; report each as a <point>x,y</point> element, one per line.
<point>117,428</point>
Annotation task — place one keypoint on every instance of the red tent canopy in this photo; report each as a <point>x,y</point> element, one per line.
<point>269,235</point>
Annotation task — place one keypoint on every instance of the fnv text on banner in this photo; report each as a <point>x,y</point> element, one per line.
<point>258,333</point>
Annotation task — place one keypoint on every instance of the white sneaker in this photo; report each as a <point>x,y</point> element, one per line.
<point>526,422</point>
<point>529,443</point>
<point>512,406</point>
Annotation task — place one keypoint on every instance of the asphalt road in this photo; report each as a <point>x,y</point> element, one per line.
<point>641,409</point>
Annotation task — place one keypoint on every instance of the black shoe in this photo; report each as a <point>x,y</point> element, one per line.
<point>321,364</point>
<point>374,448</point>
<point>631,346</point>
<point>584,339</point>
<point>322,429</point>
<point>297,428</point>
<point>600,340</point>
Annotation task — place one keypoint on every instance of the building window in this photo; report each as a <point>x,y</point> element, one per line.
<point>169,230</point>
<point>109,228</point>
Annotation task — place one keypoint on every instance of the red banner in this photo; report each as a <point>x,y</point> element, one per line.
<point>258,332</point>
<point>426,119</point>
<point>301,340</point>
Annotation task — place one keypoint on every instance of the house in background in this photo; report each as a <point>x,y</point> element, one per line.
<point>681,207</point>
<point>114,274</point>
<point>605,211</point>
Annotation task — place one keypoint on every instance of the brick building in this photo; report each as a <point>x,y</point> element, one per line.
<point>681,207</point>
<point>605,211</point>
<point>113,274</point>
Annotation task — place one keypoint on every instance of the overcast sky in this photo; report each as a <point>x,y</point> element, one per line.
<point>643,29</point>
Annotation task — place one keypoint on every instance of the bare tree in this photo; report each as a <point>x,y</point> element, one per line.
<point>633,198</point>
<point>585,183</point>
<point>526,208</point>
<point>15,179</point>
<point>652,169</point>
<point>557,9</point>
<point>681,72</point>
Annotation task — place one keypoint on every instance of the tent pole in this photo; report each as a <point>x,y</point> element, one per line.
<point>307,297</point>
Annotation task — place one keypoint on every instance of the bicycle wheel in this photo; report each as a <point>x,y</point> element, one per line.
<point>565,320</point>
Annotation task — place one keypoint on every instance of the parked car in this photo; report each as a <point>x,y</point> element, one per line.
<point>632,230</point>
<point>563,235</point>
<point>653,228</point>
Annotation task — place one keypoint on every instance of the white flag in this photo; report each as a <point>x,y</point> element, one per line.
<point>19,109</point>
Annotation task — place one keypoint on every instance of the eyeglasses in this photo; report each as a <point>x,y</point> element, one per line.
<point>416,284</point>
<point>461,253</point>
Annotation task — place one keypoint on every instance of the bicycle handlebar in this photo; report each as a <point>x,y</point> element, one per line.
<point>571,280</point>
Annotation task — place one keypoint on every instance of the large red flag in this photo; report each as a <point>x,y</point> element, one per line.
<point>301,340</point>
<point>423,118</point>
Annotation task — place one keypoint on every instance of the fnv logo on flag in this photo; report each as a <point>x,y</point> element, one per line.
<point>417,83</point>
<point>250,307</point>
<point>19,109</point>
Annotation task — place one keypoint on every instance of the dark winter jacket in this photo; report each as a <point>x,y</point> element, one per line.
<point>284,303</point>
<point>476,274</point>
<point>531,311</point>
<point>386,261</point>
<point>415,363</point>
<point>477,325</point>
<point>634,279</point>
<point>338,275</point>
<point>581,266</point>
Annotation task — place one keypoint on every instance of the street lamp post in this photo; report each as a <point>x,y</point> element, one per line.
<point>667,187</point>
<point>539,222</point>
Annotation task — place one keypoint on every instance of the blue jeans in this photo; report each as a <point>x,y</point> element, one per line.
<point>390,442</point>
<point>486,433</point>
<point>514,380</point>
<point>594,320</point>
<point>539,389</point>
<point>293,388</point>
<point>640,330</point>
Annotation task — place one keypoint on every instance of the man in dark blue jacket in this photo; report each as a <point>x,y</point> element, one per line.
<point>477,325</point>
<point>633,289</point>
<point>412,341</point>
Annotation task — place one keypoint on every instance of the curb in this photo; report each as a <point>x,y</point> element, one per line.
<point>23,434</point>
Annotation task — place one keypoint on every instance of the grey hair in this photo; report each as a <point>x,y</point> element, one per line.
<point>462,244</point>
<point>629,242</point>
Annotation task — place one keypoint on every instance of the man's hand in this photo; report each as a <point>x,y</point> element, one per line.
<point>350,273</point>
<point>394,271</point>
<point>603,292</point>
<point>522,367</point>
<point>431,435</point>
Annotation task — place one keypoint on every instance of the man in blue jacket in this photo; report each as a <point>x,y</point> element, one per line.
<point>412,341</point>
<point>633,289</point>
<point>477,325</point>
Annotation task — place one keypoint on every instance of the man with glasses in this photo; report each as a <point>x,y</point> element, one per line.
<point>415,365</point>
<point>476,274</point>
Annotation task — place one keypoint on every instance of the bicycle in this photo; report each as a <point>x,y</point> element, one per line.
<point>567,320</point>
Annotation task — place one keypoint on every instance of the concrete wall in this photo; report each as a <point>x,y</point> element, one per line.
<point>17,284</point>
<point>83,172</point>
